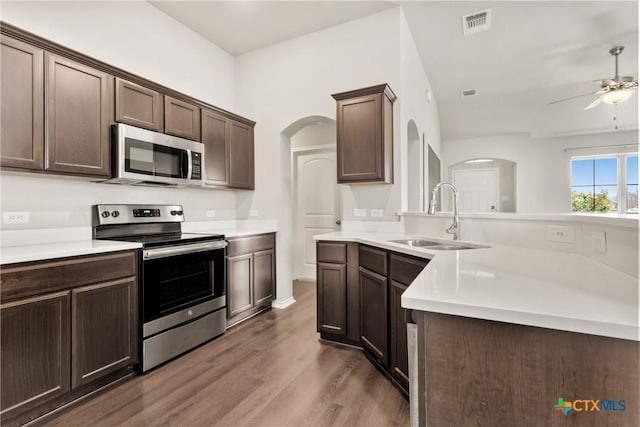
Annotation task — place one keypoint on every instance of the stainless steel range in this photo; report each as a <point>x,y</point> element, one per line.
<point>182,277</point>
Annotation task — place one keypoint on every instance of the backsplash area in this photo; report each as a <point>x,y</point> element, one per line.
<point>55,202</point>
<point>580,232</point>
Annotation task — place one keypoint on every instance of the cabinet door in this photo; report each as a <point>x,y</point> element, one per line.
<point>398,336</point>
<point>264,277</point>
<point>239,284</point>
<point>104,331</point>
<point>181,119</point>
<point>360,144</point>
<point>34,350</point>
<point>373,314</point>
<point>332,298</point>
<point>22,106</point>
<point>138,106</point>
<point>241,164</point>
<point>215,137</point>
<point>79,111</point>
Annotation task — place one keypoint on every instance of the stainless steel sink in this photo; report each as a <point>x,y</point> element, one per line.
<point>436,246</point>
<point>449,247</point>
<point>416,242</point>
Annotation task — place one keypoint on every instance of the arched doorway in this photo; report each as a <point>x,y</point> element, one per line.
<point>315,195</point>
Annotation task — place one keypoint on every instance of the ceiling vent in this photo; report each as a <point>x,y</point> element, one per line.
<point>468,93</point>
<point>476,22</point>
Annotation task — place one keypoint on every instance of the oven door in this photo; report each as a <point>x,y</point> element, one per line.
<point>179,277</point>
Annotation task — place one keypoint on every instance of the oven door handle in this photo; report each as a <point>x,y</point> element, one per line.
<point>149,254</point>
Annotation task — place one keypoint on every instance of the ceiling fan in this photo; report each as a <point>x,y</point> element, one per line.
<point>612,91</point>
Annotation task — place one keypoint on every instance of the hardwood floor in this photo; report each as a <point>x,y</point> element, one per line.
<point>271,370</point>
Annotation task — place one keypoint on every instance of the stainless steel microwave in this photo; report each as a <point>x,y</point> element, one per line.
<point>144,157</point>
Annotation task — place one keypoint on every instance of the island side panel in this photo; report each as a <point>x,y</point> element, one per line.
<point>479,372</point>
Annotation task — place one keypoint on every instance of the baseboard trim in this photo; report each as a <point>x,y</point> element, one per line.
<point>283,304</point>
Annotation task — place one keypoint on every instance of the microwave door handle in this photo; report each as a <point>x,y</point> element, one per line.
<point>189,166</point>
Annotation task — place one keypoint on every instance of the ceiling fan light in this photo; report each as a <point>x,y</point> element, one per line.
<point>616,96</point>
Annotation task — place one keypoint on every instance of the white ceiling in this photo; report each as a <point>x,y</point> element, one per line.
<point>535,52</point>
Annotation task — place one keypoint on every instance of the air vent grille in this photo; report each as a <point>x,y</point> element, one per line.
<point>476,22</point>
<point>468,93</point>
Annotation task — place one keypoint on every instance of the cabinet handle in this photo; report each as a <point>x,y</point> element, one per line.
<point>338,222</point>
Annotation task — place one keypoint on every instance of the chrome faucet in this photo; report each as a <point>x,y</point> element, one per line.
<point>432,207</point>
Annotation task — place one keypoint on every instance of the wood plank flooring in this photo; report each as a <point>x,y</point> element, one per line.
<point>271,370</point>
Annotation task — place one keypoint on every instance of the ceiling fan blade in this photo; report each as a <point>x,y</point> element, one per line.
<point>574,97</point>
<point>594,104</point>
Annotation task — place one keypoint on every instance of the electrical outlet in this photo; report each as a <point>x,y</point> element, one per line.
<point>253,212</point>
<point>599,241</point>
<point>210,214</point>
<point>377,213</point>
<point>15,218</point>
<point>359,212</point>
<point>557,233</point>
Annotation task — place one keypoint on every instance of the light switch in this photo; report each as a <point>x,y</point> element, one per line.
<point>359,212</point>
<point>599,241</point>
<point>377,213</point>
<point>211,214</point>
<point>253,212</point>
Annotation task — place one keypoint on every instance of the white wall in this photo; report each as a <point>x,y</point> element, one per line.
<point>139,38</point>
<point>323,133</point>
<point>134,36</point>
<point>543,168</point>
<point>281,84</point>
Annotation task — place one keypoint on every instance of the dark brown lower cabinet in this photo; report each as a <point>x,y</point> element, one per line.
<point>338,310</point>
<point>68,327</point>
<point>373,315</point>
<point>398,335</point>
<point>103,330</point>
<point>360,289</point>
<point>34,350</point>
<point>251,276</point>
<point>332,298</point>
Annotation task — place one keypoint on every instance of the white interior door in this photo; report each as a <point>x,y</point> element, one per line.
<point>477,189</point>
<point>317,205</point>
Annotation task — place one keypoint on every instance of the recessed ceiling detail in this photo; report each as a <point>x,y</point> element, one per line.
<point>476,22</point>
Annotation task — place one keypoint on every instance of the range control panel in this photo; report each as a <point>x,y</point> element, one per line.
<point>196,165</point>
<point>132,214</point>
<point>146,213</point>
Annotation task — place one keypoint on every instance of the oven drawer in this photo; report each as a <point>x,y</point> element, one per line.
<point>247,245</point>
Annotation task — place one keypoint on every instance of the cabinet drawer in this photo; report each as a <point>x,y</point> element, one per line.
<point>332,252</point>
<point>245,245</point>
<point>405,269</point>
<point>373,259</point>
<point>34,278</point>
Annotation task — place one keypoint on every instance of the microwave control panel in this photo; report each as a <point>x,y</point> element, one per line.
<point>196,165</point>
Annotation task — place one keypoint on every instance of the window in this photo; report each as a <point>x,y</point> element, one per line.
<point>632,184</point>
<point>604,184</point>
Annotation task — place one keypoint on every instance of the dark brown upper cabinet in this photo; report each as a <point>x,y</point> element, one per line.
<point>215,137</point>
<point>241,160</point>
<point>138,106</point>
<point>365,135</point>
<point>22,107</point>
<point>79,110</point>
<point>181,119</point>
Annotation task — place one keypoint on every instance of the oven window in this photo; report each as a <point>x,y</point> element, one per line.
<point>175,283</point>
<point>153,159</point>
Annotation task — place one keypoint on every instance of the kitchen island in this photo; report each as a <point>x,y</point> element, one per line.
<point>505,332</point>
